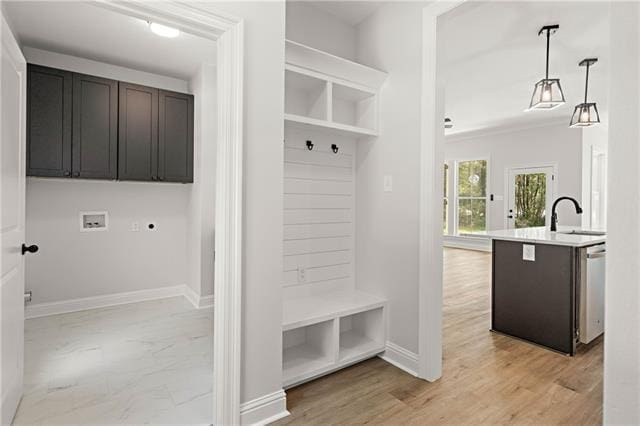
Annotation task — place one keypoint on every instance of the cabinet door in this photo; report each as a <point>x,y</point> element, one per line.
<point>95,127</point>
<point>48,121</point>
<point>137,132</point>
<point>175,137</point>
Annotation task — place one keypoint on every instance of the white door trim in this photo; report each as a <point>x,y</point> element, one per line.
<point>228,31</point>
<point>508,186</point>
<point>431,160</point>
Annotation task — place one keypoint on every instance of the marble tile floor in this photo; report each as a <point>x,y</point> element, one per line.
<point>141,363</point>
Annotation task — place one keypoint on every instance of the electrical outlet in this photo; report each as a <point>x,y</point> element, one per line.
<point>529,252</point>
<point>135,226</point>
<point>302,275</point>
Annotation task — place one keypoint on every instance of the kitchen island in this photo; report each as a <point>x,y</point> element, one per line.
<point>548,287</point>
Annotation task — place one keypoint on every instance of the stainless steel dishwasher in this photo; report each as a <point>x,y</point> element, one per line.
<point>591,292</point>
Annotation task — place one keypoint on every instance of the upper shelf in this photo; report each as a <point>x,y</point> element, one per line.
<point>330,93</point>
<point>302,56</point>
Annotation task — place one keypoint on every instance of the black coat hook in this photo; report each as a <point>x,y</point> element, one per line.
<point>309,145</point>
<point>334,148</point>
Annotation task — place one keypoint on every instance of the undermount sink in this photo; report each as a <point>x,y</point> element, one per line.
<point>583,232</point>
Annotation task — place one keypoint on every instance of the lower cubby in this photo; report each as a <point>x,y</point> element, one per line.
<point>324,333</point>
<point>361,335</point>
<point>307,351</point>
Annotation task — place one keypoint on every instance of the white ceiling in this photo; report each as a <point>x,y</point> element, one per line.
<point>92,32</point>
<point>350,12</point>
<point>494,57</point>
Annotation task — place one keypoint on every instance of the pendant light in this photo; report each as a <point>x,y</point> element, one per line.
<point>547,93</point>
<point>586,113</point>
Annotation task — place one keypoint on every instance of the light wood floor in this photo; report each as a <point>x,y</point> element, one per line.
<point>487,378</point>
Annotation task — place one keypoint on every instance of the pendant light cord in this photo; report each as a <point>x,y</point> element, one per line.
<point>586,84</point>
<point>548,37</point>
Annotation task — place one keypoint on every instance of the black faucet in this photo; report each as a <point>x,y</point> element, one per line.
<point>554,215</point>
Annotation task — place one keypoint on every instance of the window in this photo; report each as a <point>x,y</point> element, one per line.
<point>471,193</point>
<point>465,197</point>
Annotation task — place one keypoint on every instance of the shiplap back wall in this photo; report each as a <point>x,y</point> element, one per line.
<point>319,201</point>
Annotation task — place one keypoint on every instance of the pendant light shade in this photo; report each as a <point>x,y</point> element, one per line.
<point>547,93</point>
<point>586,113</point>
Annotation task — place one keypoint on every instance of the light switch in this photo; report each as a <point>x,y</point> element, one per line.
<point>388,183</point>
<point>135,226</point>
<point>529,252</point>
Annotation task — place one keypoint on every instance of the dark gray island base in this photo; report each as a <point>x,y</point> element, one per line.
<point>535,300</point>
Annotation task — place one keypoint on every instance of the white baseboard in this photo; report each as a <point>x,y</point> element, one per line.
<point>82,304</point>
<point>264,410</point>
<point>401,358</point>
<point>196,300</point>
<point>468,243</point>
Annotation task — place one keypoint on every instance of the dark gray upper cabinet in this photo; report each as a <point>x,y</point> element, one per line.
<point>175,137</point>
<point>84,126</point>
<point>95,127</point>
<point>49,118</point>
<point>138,133</point>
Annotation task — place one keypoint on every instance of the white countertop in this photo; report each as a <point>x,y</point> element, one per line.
<point>542,235</point>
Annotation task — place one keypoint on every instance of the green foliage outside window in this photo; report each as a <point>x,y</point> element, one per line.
<point>472,192</point>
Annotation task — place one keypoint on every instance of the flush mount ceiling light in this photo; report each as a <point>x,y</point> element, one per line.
<point>547,93</point>
<point>163,30</point>
<point>586,113</point>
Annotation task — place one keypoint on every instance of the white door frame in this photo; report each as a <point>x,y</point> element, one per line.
<point>431,160</point>
<point>228,32</point>
<point>529,169</point>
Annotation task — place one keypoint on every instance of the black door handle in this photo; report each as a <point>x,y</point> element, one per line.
<point>31,249</point>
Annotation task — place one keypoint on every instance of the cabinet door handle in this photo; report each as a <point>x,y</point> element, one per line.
<point>154,178</point>
<point>76,174</point>
<point>66,173</point>
<point>597,255</point>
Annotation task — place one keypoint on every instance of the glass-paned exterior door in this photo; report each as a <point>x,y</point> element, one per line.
<point>530,197</point>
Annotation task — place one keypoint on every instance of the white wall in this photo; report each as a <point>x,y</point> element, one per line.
<point>73,264</point>
<point>264,26</point>
<point>622,292</point>
<point>387,223</point>
<point>201,209</point>
<point>316,28</point>
<point>101,69</point>
<point>532,147</point>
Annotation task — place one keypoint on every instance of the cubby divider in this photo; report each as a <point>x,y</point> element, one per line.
<point>330,93</point>
<point>323,334</point>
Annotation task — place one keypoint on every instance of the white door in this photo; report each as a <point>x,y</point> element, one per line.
<point>12,207</point>
<point>530,194</point>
